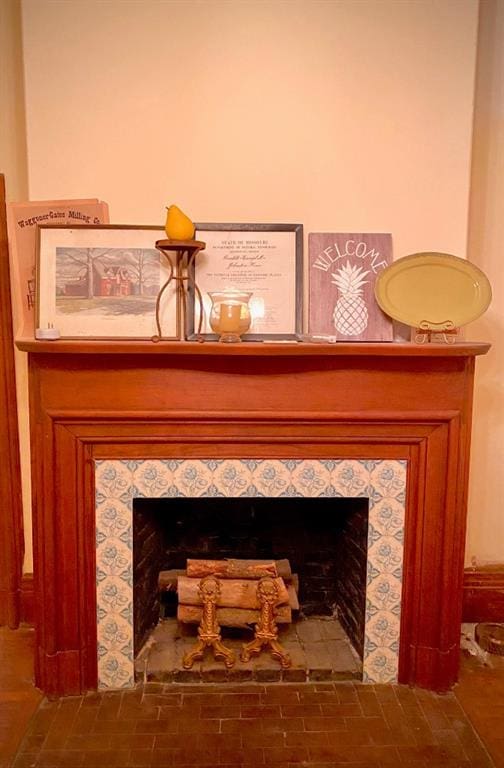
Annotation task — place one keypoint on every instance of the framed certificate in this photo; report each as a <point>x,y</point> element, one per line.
<point>265,259</point>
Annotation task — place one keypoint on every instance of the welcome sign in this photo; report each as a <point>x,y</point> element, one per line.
<point>342,273</point>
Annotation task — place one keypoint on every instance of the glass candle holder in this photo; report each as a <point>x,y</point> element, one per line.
<point>230,314</point>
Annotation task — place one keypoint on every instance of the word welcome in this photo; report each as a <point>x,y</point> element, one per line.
<point>361,250</point>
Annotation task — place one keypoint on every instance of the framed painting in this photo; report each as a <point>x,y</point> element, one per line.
<point>103,282</point>
<point>264,259</point>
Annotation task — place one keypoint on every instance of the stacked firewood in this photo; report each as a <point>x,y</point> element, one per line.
<point>238,604</point>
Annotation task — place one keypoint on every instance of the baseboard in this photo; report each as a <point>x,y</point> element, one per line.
<point>483,596</point>
<point>27,599</point>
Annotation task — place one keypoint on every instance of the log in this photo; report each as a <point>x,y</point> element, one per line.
<point>167,580</point>
<point>231,569</point>
<point>232,617</point>
<point>293,598</point>
<point>235,593</point>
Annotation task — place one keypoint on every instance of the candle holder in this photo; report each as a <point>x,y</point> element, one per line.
<point>230,314</point>
<point>181,256</point>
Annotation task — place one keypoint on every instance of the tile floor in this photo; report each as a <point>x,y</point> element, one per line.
<point>316,725</point>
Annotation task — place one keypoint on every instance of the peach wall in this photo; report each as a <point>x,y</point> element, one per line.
<point>347,115</point>
<point>343,115</point>
<point>485,539</point>
<point>13,161</point>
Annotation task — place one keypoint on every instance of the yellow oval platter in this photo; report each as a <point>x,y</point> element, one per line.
<point>433,290</point>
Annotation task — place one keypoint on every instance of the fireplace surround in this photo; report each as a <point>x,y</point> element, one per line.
<point>137,401</point>
<point>118,483</point>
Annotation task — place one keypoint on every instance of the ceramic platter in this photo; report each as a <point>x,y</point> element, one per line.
<point>433,290</point>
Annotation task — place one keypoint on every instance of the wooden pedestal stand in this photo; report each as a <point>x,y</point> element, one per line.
<point>181,255</point>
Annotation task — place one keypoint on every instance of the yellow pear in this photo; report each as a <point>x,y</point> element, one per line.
<point>178,226</point>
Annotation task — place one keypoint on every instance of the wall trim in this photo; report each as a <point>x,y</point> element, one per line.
<point>11,509</point>
<point>483,593</point>
<point>27,599</point>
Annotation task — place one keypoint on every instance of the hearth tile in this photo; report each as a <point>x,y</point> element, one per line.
<point>382,756</point>
<point>310,631</point>
<point>192,755</point>
<point>286,754</point>
<point>267,674</point>
<point>368,701</point>
<point>174,740</point>
<point>187,675</point>
<point>253,756</point>
<point>240,673</point>
<point>294,674</point>
<point>434,714</point>
<point>203,695</point>
<point>187,725</point>
<point>307,739</point>
<point>213,672</point>
<point>110,727</point>
<point>341,710</point>
<point>218,712</point>
<point>318,697</point>
<point>284,724</point>
<point>139,758</point>
<point>281,694</point>
<point>218,740</point>
<point>301,710</point>
<point>241,699</point>
<point>239,725</point>
<point>325,724</point>
<point>162,699</point>
<point>154,727</point>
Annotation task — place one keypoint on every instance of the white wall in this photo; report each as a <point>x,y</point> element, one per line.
<point>485,537</point>
<point>344,115</point>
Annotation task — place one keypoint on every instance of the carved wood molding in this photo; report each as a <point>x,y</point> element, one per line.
<point>11,512</point>
<point>429,646</point>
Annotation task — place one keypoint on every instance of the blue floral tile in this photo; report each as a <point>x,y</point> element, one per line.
<point>382,482</point>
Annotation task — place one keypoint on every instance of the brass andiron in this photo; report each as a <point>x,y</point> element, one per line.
<point>266,632</point>
<point>208,630</point>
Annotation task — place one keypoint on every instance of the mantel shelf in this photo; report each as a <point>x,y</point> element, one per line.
<point>251,349</point>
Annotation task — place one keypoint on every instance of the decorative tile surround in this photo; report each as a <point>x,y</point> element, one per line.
<point>119,482</point>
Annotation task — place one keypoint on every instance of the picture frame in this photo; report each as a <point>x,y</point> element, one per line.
<point>102,282</point>
<point>265,259</point>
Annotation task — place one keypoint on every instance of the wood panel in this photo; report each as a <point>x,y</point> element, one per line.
<point>11,511</point>
<point>87,406</point>
<point>483,595</point>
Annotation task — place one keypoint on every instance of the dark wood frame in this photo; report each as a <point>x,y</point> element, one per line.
<point>186,400</point>
<point>11,508</point>
<point>297,266</point>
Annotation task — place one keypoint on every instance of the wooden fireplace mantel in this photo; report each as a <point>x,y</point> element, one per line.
<point>137,399</point>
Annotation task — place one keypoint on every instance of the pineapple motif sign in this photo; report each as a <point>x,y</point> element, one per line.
<point>342,273</point>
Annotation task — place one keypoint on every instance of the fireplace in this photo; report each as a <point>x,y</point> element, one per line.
<point>380,483</point>
<point>128,405</point>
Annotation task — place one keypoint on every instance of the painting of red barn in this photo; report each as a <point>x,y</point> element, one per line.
<point>103,282</point>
